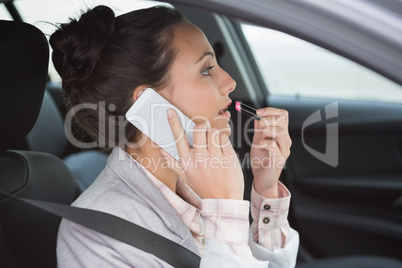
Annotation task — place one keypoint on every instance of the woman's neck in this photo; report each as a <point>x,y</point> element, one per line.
<point>150,157</point>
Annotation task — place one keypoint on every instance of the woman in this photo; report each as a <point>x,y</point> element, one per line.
<point>196,203</point>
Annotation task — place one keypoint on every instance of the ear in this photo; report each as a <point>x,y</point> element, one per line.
<point>138,91</point>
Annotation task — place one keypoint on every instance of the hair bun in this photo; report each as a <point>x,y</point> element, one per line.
<point>77,45</point>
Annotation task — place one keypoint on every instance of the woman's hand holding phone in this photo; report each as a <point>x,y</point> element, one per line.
<point>211,168</point>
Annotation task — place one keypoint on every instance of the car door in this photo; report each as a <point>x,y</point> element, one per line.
<point>346,127</point>
<point>345,175</point>
<point>345,170</point>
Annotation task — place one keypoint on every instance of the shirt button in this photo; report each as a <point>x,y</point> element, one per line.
<point>267,207</point>
<point>265,220</point>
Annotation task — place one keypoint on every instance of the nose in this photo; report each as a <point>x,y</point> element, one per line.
<point>228,84</point>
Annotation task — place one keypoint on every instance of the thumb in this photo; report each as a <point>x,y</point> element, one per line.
<point>173,164</point>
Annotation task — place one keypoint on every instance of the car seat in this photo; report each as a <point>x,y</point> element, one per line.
<point>48,136</point>
<point>27,235</point>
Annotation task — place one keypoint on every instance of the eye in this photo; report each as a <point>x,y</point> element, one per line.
<point>207,70</point>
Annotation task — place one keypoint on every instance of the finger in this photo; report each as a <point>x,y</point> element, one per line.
<point>279,134</point>
<point>270,111</point>
<point>272,159</point>
<point>178,167</point>
<point>269,133</point>
<point>273,153</point>
<point>214,141</point>
<point>226,146</point>
<point>200,137</point>
<point>257,132</point>
<point>273,121</point>
<point>172,163</point>
<point>178,133</point>
<point>274,132</point>
<point>284,143</point>
<point>270,145</point>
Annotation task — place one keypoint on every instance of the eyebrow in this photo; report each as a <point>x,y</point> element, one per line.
<point>208,53</point>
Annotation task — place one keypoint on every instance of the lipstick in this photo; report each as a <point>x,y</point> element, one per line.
<point>247,110</point>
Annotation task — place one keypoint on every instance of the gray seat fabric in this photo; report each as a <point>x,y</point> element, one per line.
<point>48,136</point>
<point>86,166</point>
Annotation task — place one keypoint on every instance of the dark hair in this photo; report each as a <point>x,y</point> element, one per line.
<point>102,59</point>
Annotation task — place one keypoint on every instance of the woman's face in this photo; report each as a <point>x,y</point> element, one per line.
<point>198,86</point>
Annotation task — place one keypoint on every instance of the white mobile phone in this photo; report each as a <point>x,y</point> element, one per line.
<point>148,114</point>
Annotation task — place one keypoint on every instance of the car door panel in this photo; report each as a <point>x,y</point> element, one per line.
<point>352,207</point>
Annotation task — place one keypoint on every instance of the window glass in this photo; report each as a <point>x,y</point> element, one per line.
<point>45,14</point>
<point>293,67</point>
<point>4,15</point>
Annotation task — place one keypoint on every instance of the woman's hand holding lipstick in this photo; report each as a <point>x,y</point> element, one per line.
<point>270,150</point>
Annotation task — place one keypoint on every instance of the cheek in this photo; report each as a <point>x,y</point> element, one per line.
<point>198,108</point>
<point>194,100</point>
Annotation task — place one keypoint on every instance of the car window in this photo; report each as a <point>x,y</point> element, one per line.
<point>294,67</point>
<point>46,14</point>
<point>4,14</point>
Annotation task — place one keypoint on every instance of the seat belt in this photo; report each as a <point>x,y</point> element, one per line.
<point>121,230</point>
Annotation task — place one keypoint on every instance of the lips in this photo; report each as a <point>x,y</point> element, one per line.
<point>224,110</point>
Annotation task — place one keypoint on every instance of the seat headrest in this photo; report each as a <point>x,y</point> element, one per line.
<point>24,59</point>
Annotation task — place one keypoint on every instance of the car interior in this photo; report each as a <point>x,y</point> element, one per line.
<point>347,209</point>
